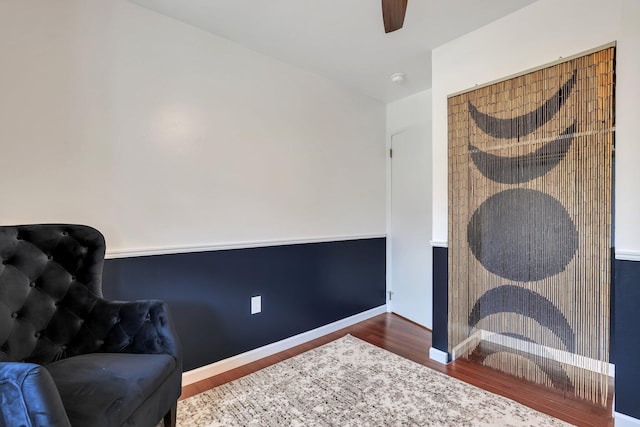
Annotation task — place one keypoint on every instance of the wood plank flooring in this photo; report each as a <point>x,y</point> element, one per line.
<point>412,341</point>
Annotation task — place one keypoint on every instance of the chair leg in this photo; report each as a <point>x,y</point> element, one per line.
<point>170,417</point>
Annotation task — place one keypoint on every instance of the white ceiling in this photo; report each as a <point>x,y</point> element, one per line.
<point>343,40</point>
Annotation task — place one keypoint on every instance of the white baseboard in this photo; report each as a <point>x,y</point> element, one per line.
<point>221,366</point>
<point>561,356</point>
<point>622,420</point>
<point>438,355</point>
<point>469,343</point>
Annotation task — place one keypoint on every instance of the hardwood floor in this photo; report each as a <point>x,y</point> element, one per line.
<point>412,341</point>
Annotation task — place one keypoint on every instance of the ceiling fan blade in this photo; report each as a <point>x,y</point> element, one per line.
<point>393,12</point>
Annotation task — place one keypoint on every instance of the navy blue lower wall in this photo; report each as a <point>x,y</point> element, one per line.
<point>627,337</point>
<point>303,286</point>
<point>439,337</point>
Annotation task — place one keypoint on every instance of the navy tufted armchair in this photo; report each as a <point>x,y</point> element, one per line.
<point>68,357</point>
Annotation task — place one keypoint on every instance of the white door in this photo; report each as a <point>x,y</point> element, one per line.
<point>411,281</point>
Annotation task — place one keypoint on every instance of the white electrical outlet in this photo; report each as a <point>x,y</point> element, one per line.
<point>256,304</point>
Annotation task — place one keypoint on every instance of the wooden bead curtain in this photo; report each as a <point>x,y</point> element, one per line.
<point>530,224</point>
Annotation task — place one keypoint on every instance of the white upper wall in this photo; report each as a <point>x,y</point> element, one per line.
<point>160,134</point>
<point>538,34</point>
<point>414,110</point>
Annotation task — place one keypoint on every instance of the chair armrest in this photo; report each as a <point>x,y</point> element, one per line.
<point>29,397</point>
<point>143,327</point>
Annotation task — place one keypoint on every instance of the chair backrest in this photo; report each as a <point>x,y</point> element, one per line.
<point>50,277</point>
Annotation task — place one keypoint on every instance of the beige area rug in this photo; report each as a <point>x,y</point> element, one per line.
<point>349,382</point>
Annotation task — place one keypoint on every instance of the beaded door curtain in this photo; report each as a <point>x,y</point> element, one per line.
<point>530,224</point>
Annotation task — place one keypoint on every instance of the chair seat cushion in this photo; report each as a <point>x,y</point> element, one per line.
<point>106,388</point>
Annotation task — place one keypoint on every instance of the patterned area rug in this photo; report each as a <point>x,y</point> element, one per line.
<point>349,382</point>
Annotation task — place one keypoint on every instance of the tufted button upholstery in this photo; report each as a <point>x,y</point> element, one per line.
<point>52,256</point>
<point>52,309</point>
